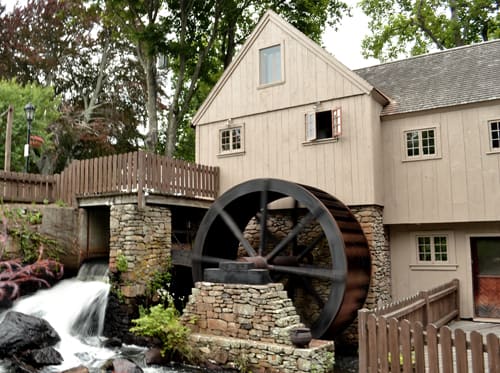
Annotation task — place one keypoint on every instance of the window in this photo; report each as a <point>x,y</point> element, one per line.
<point>324,125</point>
<point>421,144</point>
<point>231,140</point>
<point>495,134</point>
<point>270,65</point>
<point>432,249</point>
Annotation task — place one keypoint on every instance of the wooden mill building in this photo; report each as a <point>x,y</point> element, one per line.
<point>413,144</point>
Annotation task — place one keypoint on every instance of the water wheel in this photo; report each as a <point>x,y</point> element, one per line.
<point>323,259</point>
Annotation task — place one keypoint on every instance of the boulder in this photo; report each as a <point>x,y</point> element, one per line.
<point>22,332</point>
<point>121,366</point>
<point>41,357</point>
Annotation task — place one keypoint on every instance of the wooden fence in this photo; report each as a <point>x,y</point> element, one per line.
<point>138,173</point>
<point>27,188</point>
<point>411,336</point>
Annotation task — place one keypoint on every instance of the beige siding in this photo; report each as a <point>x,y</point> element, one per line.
<point>463,184</point>
<point>310,75</point>
<point>275,147</point>
<point>409,278</point>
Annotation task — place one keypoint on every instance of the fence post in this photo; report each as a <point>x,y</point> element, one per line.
<point>141,172</point>
<point>427,313</point>
<point>363,340</point>
<point>456,283</point>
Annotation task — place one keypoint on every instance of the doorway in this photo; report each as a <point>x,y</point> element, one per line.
<point>485,253</point>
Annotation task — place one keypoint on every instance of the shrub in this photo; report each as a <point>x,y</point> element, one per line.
<point>163,322</point>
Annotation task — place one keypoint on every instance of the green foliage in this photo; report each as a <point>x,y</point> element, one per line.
<point>161,280</point>
<point>121,263</point>
<point>402,27</point>
<point>163,322</point>
<point>19,223</point>
<point>46,104</point>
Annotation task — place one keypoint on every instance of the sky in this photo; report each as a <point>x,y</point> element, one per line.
<point>345,43</point>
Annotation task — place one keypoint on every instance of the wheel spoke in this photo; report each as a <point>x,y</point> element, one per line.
<point>311,246</point>
<point>295,218</point>
<point>312,291</point>
<point>236,230</point>
<point>294,232</point>
<point>208,259</point>
<point>263,220</point>
<point>315,272</point>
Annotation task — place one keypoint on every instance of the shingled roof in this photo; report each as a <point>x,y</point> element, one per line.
<point>455,76</point>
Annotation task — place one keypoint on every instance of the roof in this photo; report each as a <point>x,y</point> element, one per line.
<point>457,76</point>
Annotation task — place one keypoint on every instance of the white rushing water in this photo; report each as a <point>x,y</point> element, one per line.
<point>76,309</point>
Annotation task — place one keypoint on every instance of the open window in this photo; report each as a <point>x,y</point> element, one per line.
<point>324,125</point>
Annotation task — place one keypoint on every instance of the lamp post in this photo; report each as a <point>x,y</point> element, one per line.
<point>29,110</point>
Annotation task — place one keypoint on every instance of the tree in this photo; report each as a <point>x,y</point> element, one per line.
<point>62,43</point>
<point>46,104</point>
<point>402,27</point>
<point>199,39</point>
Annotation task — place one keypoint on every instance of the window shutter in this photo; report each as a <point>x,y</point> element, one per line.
<point>310,126</point>
<point>337,122</point>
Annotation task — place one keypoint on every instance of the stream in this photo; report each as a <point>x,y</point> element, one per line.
<point>76,308</point>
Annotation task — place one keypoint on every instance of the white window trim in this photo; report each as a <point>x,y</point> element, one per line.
<point>282,55</point>
<point>449,265</point>
<point>310,126</point>
<point>491,149</point>
<point>421,157</point>
<point>232,152</point>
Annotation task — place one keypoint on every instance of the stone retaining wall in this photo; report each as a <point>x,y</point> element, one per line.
<point>236,324</point>
<point>143,238</point>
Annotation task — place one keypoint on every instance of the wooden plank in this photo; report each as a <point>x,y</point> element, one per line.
<point>372,343</point>
<point>405,340</point>
<point>418,342</point>
<point>476,344</point>
<point>432,348</point>
<point>362,341</point>
<point>383,345</point>
<point>446,349</point>
<point>493,350</point>
<point>461,351</point>
<point>394,345</point>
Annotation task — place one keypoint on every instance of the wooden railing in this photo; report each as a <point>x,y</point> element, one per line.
<point>131,173</point>
<point>411,336</point>
<point>22,187</point>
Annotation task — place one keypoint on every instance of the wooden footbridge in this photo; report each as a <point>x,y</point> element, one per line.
<point>138,176</point>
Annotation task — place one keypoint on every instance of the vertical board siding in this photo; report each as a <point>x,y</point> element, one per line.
<point>460,185</point>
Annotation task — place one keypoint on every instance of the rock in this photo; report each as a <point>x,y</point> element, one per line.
<point>125,366</point>
<point>78,369</point>
<point>153,356</point>
<point>41,357</point>
<point>120,366</point>
<point>112,342</point>
<point>22,332</point>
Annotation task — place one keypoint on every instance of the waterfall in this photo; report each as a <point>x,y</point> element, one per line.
<point>75,308</point>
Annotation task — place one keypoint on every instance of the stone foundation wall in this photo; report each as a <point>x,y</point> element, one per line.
<point>143,238</point>
<point>239,326</point>
<point>371,219</point>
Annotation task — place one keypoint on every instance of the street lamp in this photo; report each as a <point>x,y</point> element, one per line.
<point>29,110</point>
